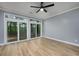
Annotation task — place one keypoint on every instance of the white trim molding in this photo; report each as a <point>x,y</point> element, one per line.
<point>74,44</point>
<point>29,39</point>
<point>18,21</point>
<point>63,12</point>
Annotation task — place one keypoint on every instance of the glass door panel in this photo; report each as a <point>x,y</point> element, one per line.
<point>12,31</point>
<point>33,30</point>
<point>22,31</point>
<point>38,30</point>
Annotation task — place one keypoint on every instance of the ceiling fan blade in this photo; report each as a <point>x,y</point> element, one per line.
<point>45,10</point>
<point>37,11</point>
<point>34,7</point>
<point>49,5</point>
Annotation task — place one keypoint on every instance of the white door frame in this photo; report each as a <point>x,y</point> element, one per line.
<point>18,31</point>
<point>27,21</point>
<point>5,29</point>
<point>36,28</point>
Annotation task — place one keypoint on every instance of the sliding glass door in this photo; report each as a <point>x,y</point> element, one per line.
<point>12,31</point>
<point>35,30</point>
<point>22,31</point>
<point>16,31</point>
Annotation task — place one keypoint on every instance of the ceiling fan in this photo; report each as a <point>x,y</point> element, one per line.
<point>42,7</point>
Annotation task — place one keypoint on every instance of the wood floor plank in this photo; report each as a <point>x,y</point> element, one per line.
<point>39,47</point>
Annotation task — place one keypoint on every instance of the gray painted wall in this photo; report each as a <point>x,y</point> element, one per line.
<point>1,27</point>
<point>63,27</point>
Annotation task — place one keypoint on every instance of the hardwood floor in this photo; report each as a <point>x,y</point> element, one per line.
<point>39,47</point>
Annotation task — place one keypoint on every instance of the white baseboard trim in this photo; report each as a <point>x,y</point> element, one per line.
<point>7,43</point>
<point>63,41</point>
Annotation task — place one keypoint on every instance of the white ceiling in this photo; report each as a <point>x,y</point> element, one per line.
<point>23,8</point>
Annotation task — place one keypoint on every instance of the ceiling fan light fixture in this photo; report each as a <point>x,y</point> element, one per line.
<point>41,9</point>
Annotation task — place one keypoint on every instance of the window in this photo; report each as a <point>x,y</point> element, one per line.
<point>12,31</point>
<point>22,31</point>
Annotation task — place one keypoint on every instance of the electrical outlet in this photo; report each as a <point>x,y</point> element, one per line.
<point>76,40</point>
